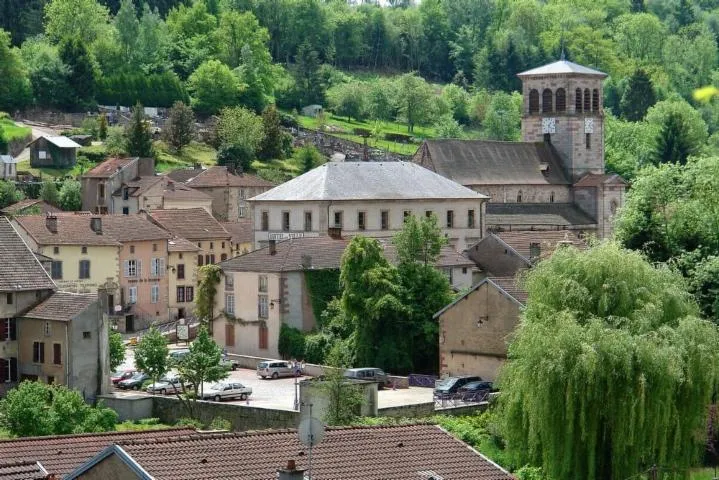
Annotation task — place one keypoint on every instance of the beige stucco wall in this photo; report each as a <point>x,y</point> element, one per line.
<point>104,266</point>
<point>21,302</point>
<point>468,347</point>
<point>144,310</point>
<point>323,216</point>
<point>29,331</point>
<point>189,260</point>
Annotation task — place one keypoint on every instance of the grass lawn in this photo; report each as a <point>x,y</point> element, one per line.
<point>704,474</point>
<point>11,131</point>
<point>49,172</point>
<point>193,153</point>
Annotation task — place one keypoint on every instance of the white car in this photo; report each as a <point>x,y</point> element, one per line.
<point>226,390</point>
<point>167,385</point>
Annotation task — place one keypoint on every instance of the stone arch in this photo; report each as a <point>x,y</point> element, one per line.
<point>560,97</point>
<point>547,100</point>
<point>578,100</point>
<point>587,100</point>
<point>595,100</point>
<point>533,101</point>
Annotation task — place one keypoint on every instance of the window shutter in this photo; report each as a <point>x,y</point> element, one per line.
<point>4,329</point>
<point>13,328</point>
<point>13,369</point>
<point>42,352</point>
<point>162,267</point>
<point>126,268</point>
<point>4,370</point>
<point>139,268</point>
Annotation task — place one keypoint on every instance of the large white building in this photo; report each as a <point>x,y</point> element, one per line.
<point>367,198</point>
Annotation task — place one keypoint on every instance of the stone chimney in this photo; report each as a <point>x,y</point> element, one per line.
<point>291,472</point>
<point>96,225</point>
<point>335,232</point>
<point>51,223</point>
<point>273,247</point>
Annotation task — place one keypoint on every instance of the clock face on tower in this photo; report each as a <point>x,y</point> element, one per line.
<point>549,125</point>
<point>588,125</point>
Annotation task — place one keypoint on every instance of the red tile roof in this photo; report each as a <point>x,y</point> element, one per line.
<point>62,454</point>
<point>17,208</point>
<point>179,191</point>
<point>548,240</point>
<point>511,286</point>
<point>178,244</point>
<point>412,452</point>
<point>132,228</point>
<point>20,269</point>
<point>21,470</point>
<point>220,177</point>
<point>108,167</point>
<point>190,223</point>
<point>71,230</point>
<point>62,306</point>
<point>241,230</point>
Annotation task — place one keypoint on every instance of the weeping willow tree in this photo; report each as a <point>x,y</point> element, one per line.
<point>610,372</point>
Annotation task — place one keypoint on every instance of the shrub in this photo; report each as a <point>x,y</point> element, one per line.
<point>219,423</point>
<point>397,137</point>
<point>291,343</point>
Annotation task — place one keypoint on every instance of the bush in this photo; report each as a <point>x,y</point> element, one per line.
<point>362,132</point>
<point>316,347</point>
<point>291,343</point>
<point>189,422</point>
<point>94,154</point>
<point>288,121</point>
<point>398,137</point>
<point>219,423</point>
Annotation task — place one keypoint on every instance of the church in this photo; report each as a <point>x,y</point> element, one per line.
<point>554,178</point>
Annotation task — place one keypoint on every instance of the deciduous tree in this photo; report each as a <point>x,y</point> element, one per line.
<point>71,195</point>
<point>83,19</point>
<point>9,193</point>
<point>414,99</point>
<point>213,86</point>
<point>117,350</point>
<point>151,354</point>
<point>49,193</point>
<point>202,364</point>
<point>15,85</point>
<point>240,126</point>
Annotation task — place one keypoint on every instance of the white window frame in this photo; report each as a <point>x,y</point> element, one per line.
<point>157,267</point>
<point>230,303</point>
<point>262,306</point>
<point>132,295</point>
<point>155,294</point>
<point>133,268</point>
<point>229,282</point>
<point>262,283</point>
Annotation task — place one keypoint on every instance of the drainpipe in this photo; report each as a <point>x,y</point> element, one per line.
<point>67,356</point>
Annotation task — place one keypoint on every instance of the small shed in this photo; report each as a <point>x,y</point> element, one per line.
<point>8,167</point>
<point>312,110</point>
<point>54,152</point>
<point>84,140</point>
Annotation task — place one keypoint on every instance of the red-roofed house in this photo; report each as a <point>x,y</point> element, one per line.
<point>99,183</point>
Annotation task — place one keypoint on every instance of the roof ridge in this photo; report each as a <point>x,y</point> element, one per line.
<point>95,434</point>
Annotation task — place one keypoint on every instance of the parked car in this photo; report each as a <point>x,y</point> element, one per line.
<point>120,375</point>
<point>225,391</point>
<point>177,355</point>
<point>275,369</point>
<point>229,363</point>
<point>451,385</point>
<point>168,384</point>
<point>476,391</point>
<point>135,382</point>
<point>370,374</point>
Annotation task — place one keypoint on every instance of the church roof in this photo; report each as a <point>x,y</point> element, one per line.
<point>561,67</point>
<point>544,214</point>
<point>482,162</point>
<point>594,180</point>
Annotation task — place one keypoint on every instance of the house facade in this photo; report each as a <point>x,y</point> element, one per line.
<point>367,198</point>
<point>157,192</point>
<point>243,238</point>
<point>53,151</point>
<point>99,184</point>
<point>182,277</point>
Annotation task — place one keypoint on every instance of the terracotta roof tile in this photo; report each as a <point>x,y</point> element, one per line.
<point>21,470</point>
<point>62,306</point>
<point>71,230</point>
<point>178,191</point>
<point>594,180</point>
<point>412,452</point>
<point>190,223</point>
<point>241,230</point>
<point>63,453</point>
<point>139,185</point>
<point>547,240</point>
<point>179,244</point>
<point>108,167</point>
<point>132,228</point>
<point>17,208</point>
<point>184,174</point>
<point>511,286</point>
<point>220,177</point>
<point>20,269</point>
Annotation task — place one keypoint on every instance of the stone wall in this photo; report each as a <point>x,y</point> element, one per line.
<point>427,409</point>
<point>128,407</point>
<point>17,145</point>
<point>329,144</point>
<point>53,118</point>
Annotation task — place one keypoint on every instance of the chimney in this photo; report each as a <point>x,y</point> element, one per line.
<point>51,223</point>
<point>96,225</point>
<point>291,472</point>
<point>306,261</point>
<point>273,247</point>
<point>335,232</point>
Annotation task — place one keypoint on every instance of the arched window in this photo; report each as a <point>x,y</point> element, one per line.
<point>578,100</point>
<point>595,100</point>
<point>561,99</point>
<point>546,100</point>
<point>587,100</point>
<point>533,101</point>
<point>519,196</point>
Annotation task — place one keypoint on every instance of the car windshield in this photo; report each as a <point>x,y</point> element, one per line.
<point>262,365</point>
<point>217,386</point>
<point>138,376</point>
<point>447,382</point>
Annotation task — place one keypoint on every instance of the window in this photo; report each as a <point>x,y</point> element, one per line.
<point>132,248</point>
<point>230,303</point>
<point>285,221</point>
<point>132,268</point>
<point>588,140</point>
<point>470,218</point>
<point>200,260</point>
<point>50,379</point>
<point>84,269</point>
<point>132,294</point>
<point>8,298</point>
<point>428,213</point>
<point>229,282</point>
<point>223,245</point>
<point>86,335</point>
<point>101,191</point>
<point>361,220</point>
<point>242,213</point>
<point>578,100</point>
<point>55,250</point>
<point>338,219</point>
<point>534,250</point>
<point>262,283</point>
<point>450,218</point>
<point>551,197</point>
<point>199,244</point>
<point>212,245</point>
<point>212,258</point>
<point>519,196</point>
<point>56,270</point>
<point>308,221</point>
<point>47,329</point>
<point>8,329</point>
<point>384,219</point>
<point>180,294</point>
<point>265,221</point>
<point>83,250</point>
<point>125,193</point>
<point>223,257</point>
<point>42,154</point>
<point>157,267</point>
<point>587,100</point>
<point>229,335</point>
<point>242,193</point>
<point>262,306</point>
<point>263,337</point>
<point>561,100</point>
<point>405,215</point>
<point>189,294</point>
<point>464,270</point>
<point>8,370</point>
<point>180,271</point>
<point>38,352</point>
<point>595,100</point>
<point>533,101</point>
<point>155,294</point>
<point>546,100</point>
<point>57,354</point>
<point>154,247</point>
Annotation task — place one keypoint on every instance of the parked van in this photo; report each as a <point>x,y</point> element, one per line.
<point>275,369</point>
<point>371,374</point>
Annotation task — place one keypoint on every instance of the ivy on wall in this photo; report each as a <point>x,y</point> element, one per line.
<point>323,286</point>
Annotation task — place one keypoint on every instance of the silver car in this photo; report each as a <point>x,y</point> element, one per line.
<point>275,369</point>
<point>225,391</point>
<point>167,385</point>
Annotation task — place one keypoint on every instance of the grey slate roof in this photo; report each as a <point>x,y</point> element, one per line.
<point>61,142</point>
<point>62,306</point>
<point>20,269</point>
<point>549,214</point>
<point>482,162</point>
<point>561,67</point>
<point>368,181</point>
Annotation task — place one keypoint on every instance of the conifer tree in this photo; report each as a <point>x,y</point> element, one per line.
<point>139,138</point>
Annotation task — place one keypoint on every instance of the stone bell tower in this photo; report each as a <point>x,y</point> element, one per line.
<point>563,105</point>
